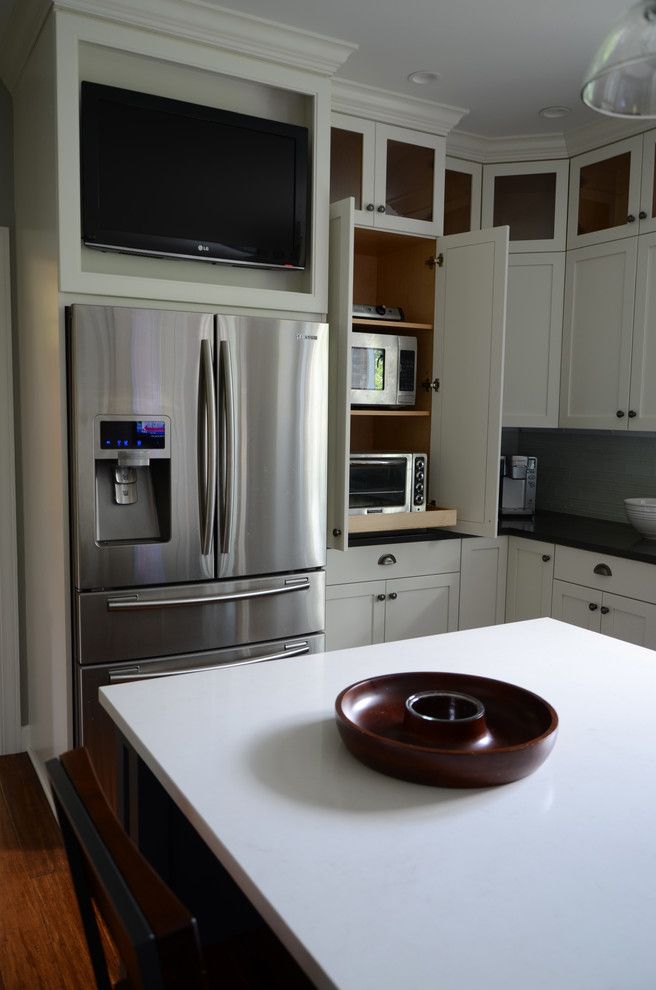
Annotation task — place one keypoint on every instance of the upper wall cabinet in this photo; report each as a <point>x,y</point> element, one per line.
<point>161,64</point>
<point>462,196</point>
<point>395,175</point>
<point>611,192</point>
<point>531,199</point>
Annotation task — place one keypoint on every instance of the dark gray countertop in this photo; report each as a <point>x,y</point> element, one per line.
<point>598,535</point>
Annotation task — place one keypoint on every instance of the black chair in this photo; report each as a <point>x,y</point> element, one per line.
<point>155,936</point>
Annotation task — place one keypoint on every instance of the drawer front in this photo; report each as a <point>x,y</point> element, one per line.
<point>631,578</point>
<point>393,560</point>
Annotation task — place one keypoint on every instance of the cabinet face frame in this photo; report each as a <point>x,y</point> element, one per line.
<point>476,171</point>
<point>561,170</point>
<point>543,376</point>
<point>579,338</point>
<point>634,147</point>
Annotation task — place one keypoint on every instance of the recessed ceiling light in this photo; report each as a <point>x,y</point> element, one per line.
<point>554,112</point>
<point>423,76</point>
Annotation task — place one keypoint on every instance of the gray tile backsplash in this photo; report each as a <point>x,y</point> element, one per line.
<point>588,472</point>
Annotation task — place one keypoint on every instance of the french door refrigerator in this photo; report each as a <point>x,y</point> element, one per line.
<point>198,496</point>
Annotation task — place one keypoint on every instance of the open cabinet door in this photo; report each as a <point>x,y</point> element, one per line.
<point>470,315</point>
<point>340,308</point>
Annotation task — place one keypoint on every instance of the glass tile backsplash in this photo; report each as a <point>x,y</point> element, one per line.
<point>588,472</point>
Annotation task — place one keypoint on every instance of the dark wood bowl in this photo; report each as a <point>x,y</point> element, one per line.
<point>372,721</point>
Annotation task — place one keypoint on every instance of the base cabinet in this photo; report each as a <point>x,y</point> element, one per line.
<point>369,612</point>
<point>530,577</point>
<point>483,582</point>
<point>613,615</point>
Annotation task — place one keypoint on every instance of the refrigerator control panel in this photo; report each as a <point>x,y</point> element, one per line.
<point>132,433</point>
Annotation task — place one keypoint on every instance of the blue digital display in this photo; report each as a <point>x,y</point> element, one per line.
<point>139,434</point>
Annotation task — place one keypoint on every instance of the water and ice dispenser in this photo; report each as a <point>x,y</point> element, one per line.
<point>132,479</point>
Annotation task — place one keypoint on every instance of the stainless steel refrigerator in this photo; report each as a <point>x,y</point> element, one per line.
<point>198,495</point>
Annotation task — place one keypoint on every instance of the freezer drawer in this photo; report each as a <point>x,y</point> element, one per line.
<point>156,622</point>
<point>94,728</point>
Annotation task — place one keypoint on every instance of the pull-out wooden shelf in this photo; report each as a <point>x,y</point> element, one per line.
<point>388,324</point>
<point>386,522</point>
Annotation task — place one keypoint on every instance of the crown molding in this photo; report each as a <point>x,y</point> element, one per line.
<point>359,100</point>
<point>491,150</point>
<point>199,21</point>
<point>604,130</point>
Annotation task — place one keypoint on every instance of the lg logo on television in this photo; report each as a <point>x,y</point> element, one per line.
<point>203,247</point>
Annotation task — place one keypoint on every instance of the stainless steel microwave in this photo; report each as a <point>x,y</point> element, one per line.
<point>383,369</point>
<point>381,483</point>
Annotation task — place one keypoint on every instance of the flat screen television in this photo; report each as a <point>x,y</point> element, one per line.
<point>167,178</point>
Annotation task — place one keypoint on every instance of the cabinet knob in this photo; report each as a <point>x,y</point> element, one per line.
<point>386,559</point>
<point>380,598</point>
<point>381,209</point>
<point>370,207</point>
<point>630,218</point>
<point>593,606</point>
<point>427,384</point>
<point>605,610</point>
<point>392,596</point>
<point>620,414</point>
<point>632,414</point>
<point>642,215</point>
<point>337,532</point>
<point>546,557</point>
<point>604,570</point>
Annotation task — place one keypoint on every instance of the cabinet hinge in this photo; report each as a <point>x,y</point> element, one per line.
<point>435,261</point>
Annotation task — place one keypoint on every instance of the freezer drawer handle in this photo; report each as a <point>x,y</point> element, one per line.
<point>129,604</point>
<point>130,673</point>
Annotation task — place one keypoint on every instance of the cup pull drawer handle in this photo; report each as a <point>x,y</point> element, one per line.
<point>604,570</point>
<point>387,558</point>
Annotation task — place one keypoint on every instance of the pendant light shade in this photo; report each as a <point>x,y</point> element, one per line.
<point>621,81</point>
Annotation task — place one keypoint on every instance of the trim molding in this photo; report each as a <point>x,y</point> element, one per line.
<point>383,105</point>
<point>487,150</point>
<point>192,20</point>
<point>10,727</point>
<point>602,131</point>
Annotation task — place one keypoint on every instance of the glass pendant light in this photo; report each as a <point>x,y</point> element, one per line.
<point>621,81</point>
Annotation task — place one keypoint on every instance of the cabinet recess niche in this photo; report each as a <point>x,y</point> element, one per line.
<point>115,55</point>
<point>455,419</point>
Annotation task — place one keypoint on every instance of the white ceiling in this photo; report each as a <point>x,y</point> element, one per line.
<point>503,60</point>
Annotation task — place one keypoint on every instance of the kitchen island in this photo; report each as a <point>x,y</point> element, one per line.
<point>374,882</point>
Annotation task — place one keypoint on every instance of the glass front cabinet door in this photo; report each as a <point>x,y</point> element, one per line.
<point>395,175</point>
<point>531,199</point>
<point>605,194</point>
<point>462,196</point>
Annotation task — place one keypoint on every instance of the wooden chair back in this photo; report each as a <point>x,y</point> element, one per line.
<point>155,935</point>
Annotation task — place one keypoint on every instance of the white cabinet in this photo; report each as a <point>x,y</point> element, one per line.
<point>382,593</point>
<point>462,195</point>
<point>605,194</point>
<point>457,414</point>
<point>611,595</point>
<point>482,582</point>
<point>531,198</point>
<point>530,577</point>
<point>609,347</point>
<point>396,175</point>
<point>613,615</point>
<point>534,323</point>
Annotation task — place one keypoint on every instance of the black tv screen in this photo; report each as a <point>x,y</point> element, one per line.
<point>167,178</point>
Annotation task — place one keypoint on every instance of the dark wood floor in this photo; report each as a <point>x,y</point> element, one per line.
<point>41,939</point>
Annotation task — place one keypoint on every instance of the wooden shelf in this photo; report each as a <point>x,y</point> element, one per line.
<point>389,521</point>
<point>390,412</point>
<point>397,324</point>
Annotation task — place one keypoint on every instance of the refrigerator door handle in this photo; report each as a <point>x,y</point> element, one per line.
<point>131,603</point>
<point>227,407</point>
<point>134,673</point>
<point>209,457</point>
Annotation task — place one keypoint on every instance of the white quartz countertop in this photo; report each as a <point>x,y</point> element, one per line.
<point>549,882</point>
